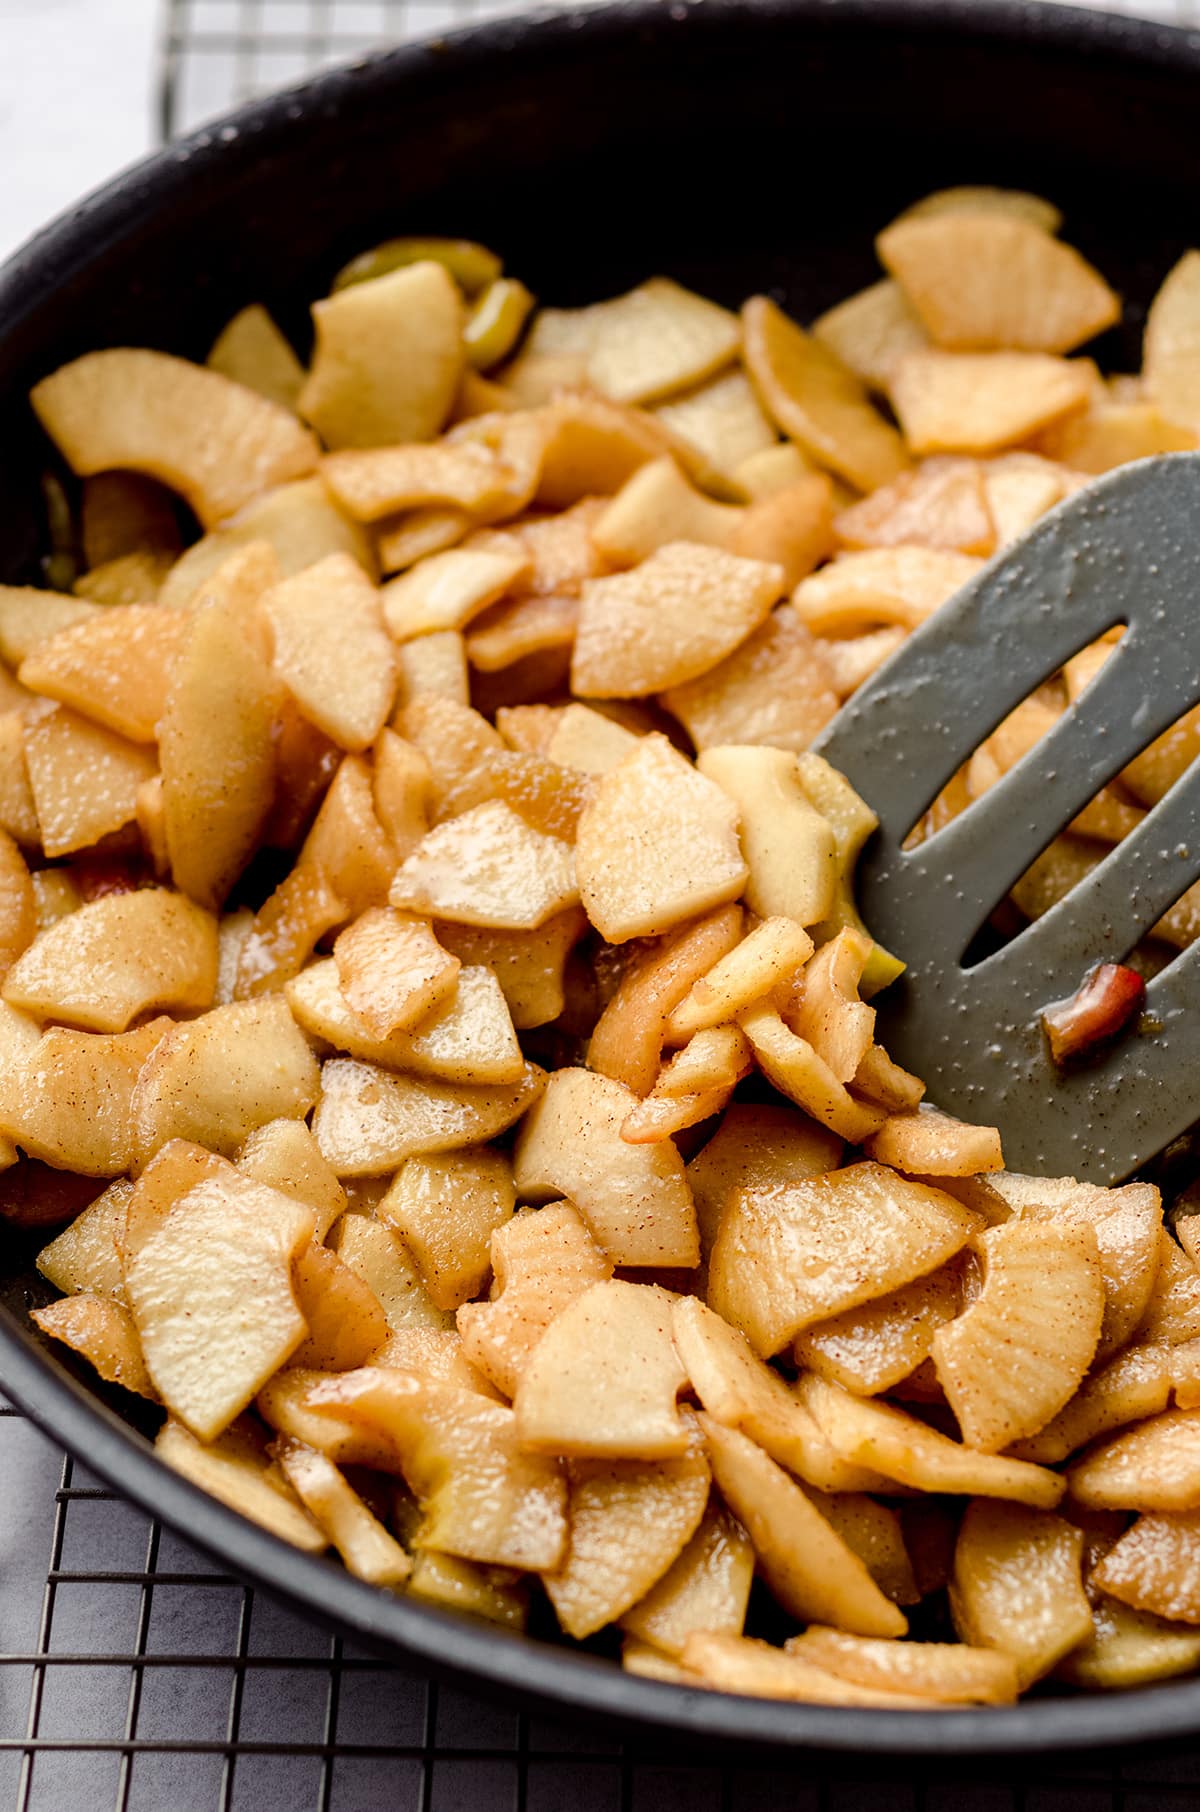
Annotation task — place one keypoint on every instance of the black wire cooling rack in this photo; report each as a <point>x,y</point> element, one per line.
<point>137,1676</point>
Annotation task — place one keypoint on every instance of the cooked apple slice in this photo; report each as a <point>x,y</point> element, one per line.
<point>791,528</point>
<point>447,591</point>
<point>18,904</point>
<point>1155,1466</point>
<point>721,417</point>
<point>874,1532</point>
<point>901,585</point>
<point>84,779</point>
<point>654,340</point>
<point>627,1041</point>
<point>753,1147</point>
<point>388,358</point>
<point>668,620</point>
<point>743,1664</point>
<point>1129,1648</point>
<point>216,740</point>
<point>299,521</point>
<point>446,1210</point>
<point>348,846</point>
<point>469,1040</point>
<point>1155,1567</point>
<point>1172,1314</point>
<point>392,970</point>
<point>942,504</point>
<point>212,1296</point>
<point>1020,1349</point>
<point>739,1391</point>
<point>517,628</point>
<point>444,484</point>
<point>168,1177</point>
<point>368,1120</point>
<point>367,1548</point>
<point>947,1673</point>
<point>549,797</point>
<point>284,1154</point>
<point>979,402</point>
<point>115,668</point>
<point>1017,1586</point>
<point>697,1082</point>
<point>773,689</point>
<point>116,958</point>
<point>582,738</point>
<point>31,617</point>
<point>789,848</point>
<point>236,1469</point>
<point>816,400</point>
<point>331,649</point>
<point>498,1594</point>
<point>68,1101</point>
<point>985,281</point>
<point>252,351</point>
<point>657,844</point>
<point>529,965</point>
<point>765,957</point>
<point>651,1663</point>
<point>1130,1388</point>
<point>218,1077</point>
<point>437,1356</point>
<point>543,1260</point>
<point>707,1588</point>
<point>286,1402</point>
<point>212,440</point>
<point>83,1258</point>
<point>869,1349</point>
<point>970,198</point>
<point>870,332</point>
<point>103,1332</point>
<point>1172,342</point>
<point>658,505</point>
<point>18,814</point>
<point>603,1380</point>
<point>382,1262</point>
<point>629,1522</point>
<point>482,1497</point>
<point>807,1565</point>
<point>875,1434</point>
<point>928,1143</point>
<point>1109,434</point>
<point>346,1323</point>
<point>634,1198</point>
<point>488,867</point>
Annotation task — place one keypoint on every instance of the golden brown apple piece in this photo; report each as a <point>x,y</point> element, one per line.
<point>980,402</point>
<point>796,1070</point>
<point>543,1259</point>
<point>947,1673</point>
<point>368,1120</point>
<point>84,1257</point>
<point>252,351</point>
<point>707,1588</point>
<point>83,779</point>
<point>871,331</point>
<point>381,1261</point>
<point>721,417</point>
<point>604,1379</point>
<point>449,590</point>
<point>1172,342</point>
<point>774,689</point>
<point>237,1469</point>
<point>634,1198</point>
<point>743,1664</point>
<point>627,1041</point>
<point>1154,1466</point>
<point>212,440</point>
<point>367,1548</point>
<point>346,1323</point>
<point>69,1101</point>
<point>1129,1648</point>
<point>103,1332</point>
<point>446,1209</point>
<point>794,1255</point>
<point>755,1146</point>
<point>392,970</point>
<point>470,1039</point>
<point>488,867</point>
<point>893,585</point>
<point>115,668</point>
<point>529,965</point>
<point>1155,1567</point>
<point>870,1349</point>
<point>1017,1585</point>
<point>331,649</point>
<point>300,522</point>
<point>658,505</point>
<point>284,1154</point>
<point>1130,1388</point>
<point>656,339</point>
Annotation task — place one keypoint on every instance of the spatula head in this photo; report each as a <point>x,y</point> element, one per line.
<point>1124,550</point>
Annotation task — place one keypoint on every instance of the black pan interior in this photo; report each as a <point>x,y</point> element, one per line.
<point>738,145</point>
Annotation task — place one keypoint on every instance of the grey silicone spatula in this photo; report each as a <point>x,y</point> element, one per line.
<point>1125,549</point>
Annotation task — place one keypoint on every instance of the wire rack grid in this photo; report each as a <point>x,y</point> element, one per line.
<point>135,1675</point>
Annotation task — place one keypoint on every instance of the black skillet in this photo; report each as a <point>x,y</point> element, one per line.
<point>738,145</point>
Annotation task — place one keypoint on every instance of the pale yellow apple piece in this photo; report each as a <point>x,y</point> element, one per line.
<point>942,504</point>
<point>392,971</point>
<point>797,1071</point>
<point>721,417</point>
<point>807,1565</point>
<point>212,1296</point>
<point>446,591</point>
<point>1130,1388</point>
<point>549,797</point>
<point>766,957</point>
<point>368,1120</point>
<point>346,1321</point>
<point>969,198</point>
<point>1017,1586</point>
<point>67,1100</point>
<point>347,847</point>
<point>387,359</point>
<point>1020,488</point>
<point>214,441</point>
<point>871,331</point>
<point>331,649</point>
<point>542,1259</point>
<point>669,620</point>
<point>776,688</point>
<point>498,1594</point>
<point>435,1354</point>
<point>1021,1347</point>
<point>1172,343</point>
<point>299,521</point>
<point>529,965</point>
<point>367,1548</point>
<point>1172,1313</point>
<point>84,779</point>
<point>446,1209</point>
<point>983,281</point>
<point>252,351</point>
<point>821,1004</point>
<point>816,400</point>
<point>31,617</point>
<point>116,958</point>
<point>83,1258</point>
<point>657,505</point>
<point>216,1078</point>
<point>707,1588</point>
<point>133,579</point>
<point>947,1673</point>
<point>18,814</point>
<point>629,1522</point>
<point>402,782</point>
<point>869,1349</point>
<point>488,867</point>
<point>18,904</point>
<point>1155,1567</point>
<point>519,628</point>
<point>756,1670</point>
<point>796,1254</point>
<point>585,739</point>
<point>654,340</point>
<point>286,1403</point>
<point>603,1380</point>
<point>874,1532</point>
<point>436,662</point>
<point>656,844</point>
<point>789,847</point>
<point>979,402</point>
<point>382,1262</point>
<point>929,1143</point>
<point>900,585</point>
<point>1129,1648</point>
<point>284,1154</point>
<point>876,1434</point>
<point>1110,434</point>
<point>738,1390</point>
<point>102,1331</point>
<point>1154,1466</point>
<point>236,1469</point>
<point>753,1147</point>
<point>446,484</point>
<point>482,1497</point>
<point>773,469</point>
<point>634,1198</point>
<point>115,668</point>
